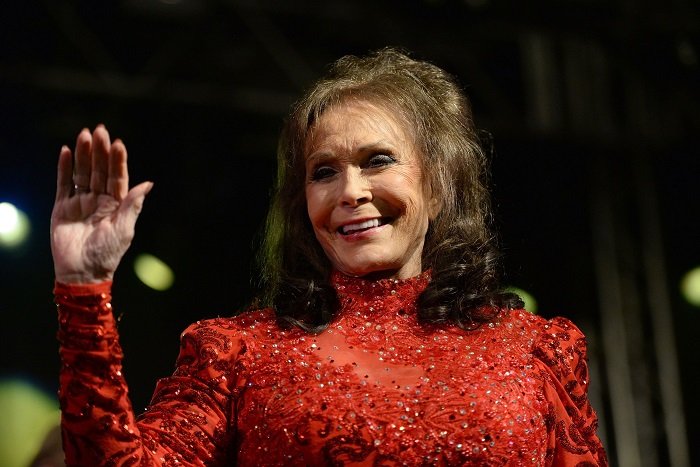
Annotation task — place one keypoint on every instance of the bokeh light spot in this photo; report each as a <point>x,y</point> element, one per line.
<point>28,414</point>
<point>14,226</point>
<point>690,286</point>
<point>528,298</point>
<point>153,272</point>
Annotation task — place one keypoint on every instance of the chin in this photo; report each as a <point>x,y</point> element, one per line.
<point>374,262</point>
<point>378,271</point>
<point>364,269</point>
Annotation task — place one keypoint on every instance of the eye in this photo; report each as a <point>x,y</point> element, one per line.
<point>380,160</point>
<point>322,172</point>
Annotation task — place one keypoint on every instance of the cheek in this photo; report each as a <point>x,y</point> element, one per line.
<point>315,206</point>
<point>402,195</point>
<point>416,212</point>
<point>310,205</point>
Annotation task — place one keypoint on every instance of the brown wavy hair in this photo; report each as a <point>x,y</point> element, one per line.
<point>460,247</point>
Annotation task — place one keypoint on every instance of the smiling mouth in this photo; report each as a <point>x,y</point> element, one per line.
<point>362,226</point>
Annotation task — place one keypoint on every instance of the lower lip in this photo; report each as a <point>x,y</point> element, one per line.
<point>363,234</point>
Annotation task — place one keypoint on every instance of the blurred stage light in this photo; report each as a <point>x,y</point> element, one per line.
<point>686,53</point>
<point>14,226</point>
<point>690,286</point>
<point>28,415</point>
<point>528,298</point>
<point>153,272</point>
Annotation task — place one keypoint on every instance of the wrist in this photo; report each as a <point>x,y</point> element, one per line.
<point>82,290</point>
<point>82,278</point>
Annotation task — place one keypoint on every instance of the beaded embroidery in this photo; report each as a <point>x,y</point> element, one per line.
<point>375,388</point>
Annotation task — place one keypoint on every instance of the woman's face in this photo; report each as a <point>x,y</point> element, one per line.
<point>365,193</point>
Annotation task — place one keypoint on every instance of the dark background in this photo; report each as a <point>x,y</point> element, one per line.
<point>590,103</point>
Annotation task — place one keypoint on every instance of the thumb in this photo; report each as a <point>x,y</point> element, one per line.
<point>133,202</point>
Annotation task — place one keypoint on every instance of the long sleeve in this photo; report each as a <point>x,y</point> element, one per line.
<point>570,419</point>
<point>188,421</point>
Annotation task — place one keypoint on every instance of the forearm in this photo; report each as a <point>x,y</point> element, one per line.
<point>186,423</point>
<point>97,419</point>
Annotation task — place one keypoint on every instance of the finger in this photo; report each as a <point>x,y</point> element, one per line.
<point>81,175</point>
<point>118,178</point>
<point>138,192</point>
<point>64,180</point>
<point>133,202</point>
<point>100,157</point>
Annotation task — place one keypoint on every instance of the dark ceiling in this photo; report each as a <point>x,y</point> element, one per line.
<point>586,100</point>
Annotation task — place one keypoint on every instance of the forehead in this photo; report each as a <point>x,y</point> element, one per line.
<point>357,122</point>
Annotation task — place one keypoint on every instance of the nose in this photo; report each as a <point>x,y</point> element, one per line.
<point>354,188</point>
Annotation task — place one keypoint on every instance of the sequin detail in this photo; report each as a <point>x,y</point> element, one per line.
<point>375,388</point>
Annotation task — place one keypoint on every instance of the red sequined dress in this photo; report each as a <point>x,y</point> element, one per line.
<point>375,388</point>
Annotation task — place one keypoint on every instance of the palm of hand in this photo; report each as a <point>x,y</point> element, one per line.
<point>89,234</point>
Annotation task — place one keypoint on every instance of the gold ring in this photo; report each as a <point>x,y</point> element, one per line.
<point>77,189</point>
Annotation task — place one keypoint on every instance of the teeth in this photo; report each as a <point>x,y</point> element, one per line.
<point>346,229</point>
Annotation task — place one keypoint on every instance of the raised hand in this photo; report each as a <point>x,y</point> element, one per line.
<point>93,219</point>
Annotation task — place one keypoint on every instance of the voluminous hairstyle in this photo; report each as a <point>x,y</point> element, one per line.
<point>460,248</point>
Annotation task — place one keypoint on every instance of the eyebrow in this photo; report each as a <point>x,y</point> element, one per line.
<point>317,157</point>
<point>382,144</point>
<point>374,146</point>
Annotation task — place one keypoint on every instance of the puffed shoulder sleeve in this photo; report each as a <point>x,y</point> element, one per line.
<point>190,420</point>
<point>191,416</point>
<point>571,422</point>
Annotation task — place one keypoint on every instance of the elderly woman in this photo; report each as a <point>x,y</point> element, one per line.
<point>384,338</point>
